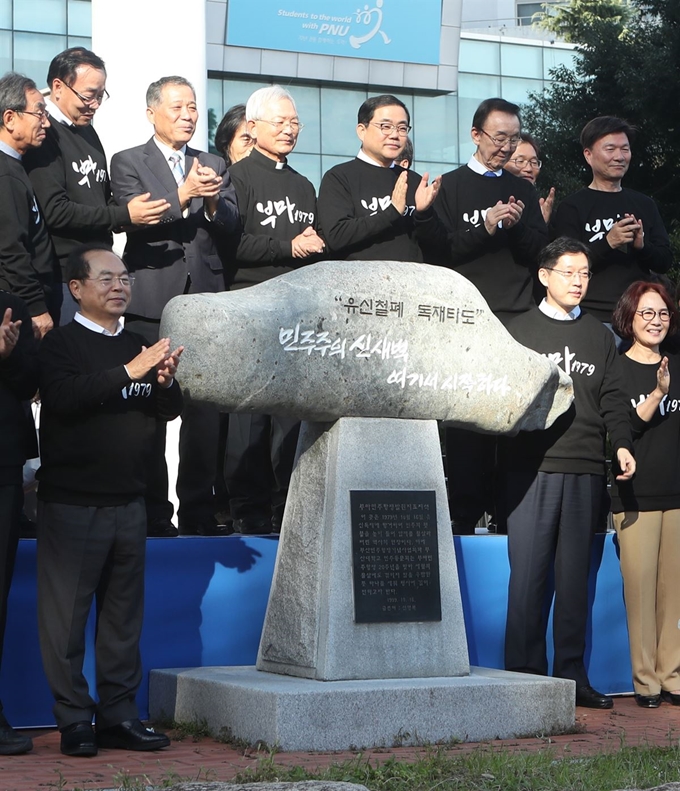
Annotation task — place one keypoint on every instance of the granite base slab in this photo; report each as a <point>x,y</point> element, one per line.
<point>303,714</point>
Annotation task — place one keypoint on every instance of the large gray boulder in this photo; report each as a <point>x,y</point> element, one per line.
<point>364,339</point>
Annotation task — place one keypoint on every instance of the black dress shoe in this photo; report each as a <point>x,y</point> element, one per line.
<point>209,528</point>
<point>253,526</point>
<point>11,742</point>
<point>649,701</point>
<point>78,739</point>
<point>670,697</point>
<point>160,528</point>
<point>131,735</point>
<point>592,699</point>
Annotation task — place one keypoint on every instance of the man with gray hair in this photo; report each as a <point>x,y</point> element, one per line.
<point>28,266</point>
<point>186,253</point>
<point>278,213</point>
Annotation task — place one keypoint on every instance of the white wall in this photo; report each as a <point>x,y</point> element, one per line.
<point>141,41</point>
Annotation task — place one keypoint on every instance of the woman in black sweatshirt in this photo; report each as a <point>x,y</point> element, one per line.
<point>647,508</point>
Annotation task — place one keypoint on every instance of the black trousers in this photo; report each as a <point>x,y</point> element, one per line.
<point>11,503</point>
<point>85,552</point>
<point>258,463</point>
<point>198,445</point>
<point>551,523</point>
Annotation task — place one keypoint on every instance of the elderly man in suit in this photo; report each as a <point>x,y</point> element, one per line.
<point>185,253</point>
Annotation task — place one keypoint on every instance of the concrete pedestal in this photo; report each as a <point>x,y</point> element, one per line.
<point>310,629</point>
<point>303,714</point>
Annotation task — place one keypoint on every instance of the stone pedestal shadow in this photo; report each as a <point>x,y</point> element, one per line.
<point>364,640</point>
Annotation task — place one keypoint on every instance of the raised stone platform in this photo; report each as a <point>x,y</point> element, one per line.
<point>302,714</point>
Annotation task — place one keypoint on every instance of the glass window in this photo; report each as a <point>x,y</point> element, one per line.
<point>526,11</point>
<point>307,164</point>
<point>45,16</point>
<point>472,90</point>
<point>308,102</point>
<point>435,128</point>
<point>79,41</point>
<point>80,18</point>
<point>33,53</point>
<point>434,168</point>
<point>238,91</point>
<point>482,57</point>
<point>5,51</point>
<point>214,99</point>
<point>6,14</point>
<point>517,91</point>
<point>338,121</point>
<point>552,58</point>
<point>518,60</point>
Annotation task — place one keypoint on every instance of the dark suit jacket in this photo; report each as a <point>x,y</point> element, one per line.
<point>163,256</point>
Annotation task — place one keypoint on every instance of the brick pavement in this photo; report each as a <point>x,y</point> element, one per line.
<point>45,768</point>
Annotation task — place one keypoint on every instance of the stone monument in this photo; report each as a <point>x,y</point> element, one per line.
<point>364,639</point>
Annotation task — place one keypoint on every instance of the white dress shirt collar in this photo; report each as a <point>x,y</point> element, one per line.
<point>92,325</point>
<point>363,156</point>
<point>558,315</point>
<point>476,165</point>
<point>169,152</point>
<point>11,152</point>
<point>56,113</point>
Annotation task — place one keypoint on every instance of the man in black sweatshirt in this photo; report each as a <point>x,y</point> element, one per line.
<point>554,479</point>
<point>28,265</point>
<point>68,171</point>
<point>102,392</point>
<point>367,205</point>
<point>18,383</point>
<point>487,225</point>
<point>622,227</point>
<point>278,215</point>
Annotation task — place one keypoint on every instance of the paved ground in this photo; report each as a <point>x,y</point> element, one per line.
<point>45,768</point>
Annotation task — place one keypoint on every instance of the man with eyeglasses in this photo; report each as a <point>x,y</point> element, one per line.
<point>278,212</point>
<point>488,226</point>
<point>188,253</point>
<point>69,173</point>
<point>28,265</point>
<point>526,163</point>
<point>367,205</point>
<point>103,391</point>
<point>554,480</point>
<point>622,228</point>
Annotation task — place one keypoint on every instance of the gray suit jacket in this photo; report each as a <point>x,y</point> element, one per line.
<point>163,257</point>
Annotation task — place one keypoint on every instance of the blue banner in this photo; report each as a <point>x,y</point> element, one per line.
<point>399,30</point>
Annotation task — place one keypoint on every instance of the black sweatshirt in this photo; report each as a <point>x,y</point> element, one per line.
<point>501,266</point>
<point>69,176</point>
<point>575,443</point>
<point>357,219</point>
<point>18,383</point>
<point>276,205</point>
<point>656,485</point>
<point>97,425</point>
<point>27,259</point>
<point>588,215</point>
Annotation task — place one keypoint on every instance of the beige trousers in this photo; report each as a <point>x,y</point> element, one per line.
<point>650,565</point>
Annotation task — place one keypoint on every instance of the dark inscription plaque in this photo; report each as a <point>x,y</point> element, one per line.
<point>395,556</point>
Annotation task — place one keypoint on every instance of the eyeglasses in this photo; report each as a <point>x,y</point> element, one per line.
<point>649,314</point>
<point>387,129</point>
<point>513,142</point>
<point>520,162</point>
<point>107,281</point>
<point>570,275</point>
<point>98,98</point>
<point>41,114</point>
<point>279,126</point>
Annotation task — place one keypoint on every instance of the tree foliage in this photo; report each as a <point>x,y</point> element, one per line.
<point>628,65</point>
